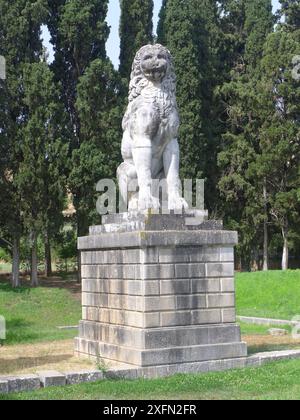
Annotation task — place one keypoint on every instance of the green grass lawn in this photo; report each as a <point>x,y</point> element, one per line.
<point>253,329</point>
<point>33,315</point>
<point>272,294</point>
<point>277,381</point>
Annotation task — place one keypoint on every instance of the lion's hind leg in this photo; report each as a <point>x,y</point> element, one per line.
<point>128,185</point>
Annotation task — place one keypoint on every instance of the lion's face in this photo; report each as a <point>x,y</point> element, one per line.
<point>154,63</point>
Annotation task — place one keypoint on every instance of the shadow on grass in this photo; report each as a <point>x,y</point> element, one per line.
<point>8,367</point>
<point>272,347</point>
<point>6,287</point>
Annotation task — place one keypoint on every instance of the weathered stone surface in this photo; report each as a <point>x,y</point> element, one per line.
<point>158,297</point>
<point>221,300</point>
<point>73,378</point>
<point>157,239</point>
<point>175,287</point>
<point>23,383</point>
<point>122,317</point>
<point>159,337</point>
<point>177,224</point>
<point>228,315</point>
<point>51,378</point>
<point>227,285</point>
<point>277,332</point>
<point>121,287</point>
<point>220,270</point>
<point>195,317</point>
<point>188,271</point>
<point>206,285</point>
<point>162,356</point>
<point>3,386</point>
<point>158,222</point>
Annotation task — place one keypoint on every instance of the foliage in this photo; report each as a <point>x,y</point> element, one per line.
<point>136,29</point>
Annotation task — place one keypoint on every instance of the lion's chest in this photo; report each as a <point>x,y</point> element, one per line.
<point>164,112</point>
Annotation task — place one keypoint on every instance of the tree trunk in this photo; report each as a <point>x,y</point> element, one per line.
<point>266,235</point>
<point>16,263</point>
<point>34,263</point>
<point>48,259</point>
<point>285,253</point>
<point>254,261</point>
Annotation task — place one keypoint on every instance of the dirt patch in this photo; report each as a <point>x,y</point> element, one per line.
<point>30,358</point>
<point>70,283</point>
<point>262,343</point>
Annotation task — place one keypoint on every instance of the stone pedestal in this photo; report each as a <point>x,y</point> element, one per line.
<point>156,292</point>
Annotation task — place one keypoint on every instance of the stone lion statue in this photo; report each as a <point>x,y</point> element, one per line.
<point>150,148</point>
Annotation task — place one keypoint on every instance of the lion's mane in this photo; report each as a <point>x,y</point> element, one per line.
<point>138,81</point>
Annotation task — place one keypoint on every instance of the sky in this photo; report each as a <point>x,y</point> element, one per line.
<point>113,18</point>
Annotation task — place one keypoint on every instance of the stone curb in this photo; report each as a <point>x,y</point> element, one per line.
<point>23,383</point>
<point>265,321</point>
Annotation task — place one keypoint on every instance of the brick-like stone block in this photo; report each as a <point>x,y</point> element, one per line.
<point>189,271</point>
<point>175,287</point>
<point>227,254</point>
<point>157,298</point>
<point>220,270</point>
<point>227,285</point>
<point>52,378</point>
<point>206,285</point>
<point>204,254</point>
<point>23,383</point>
<point>74,378</point>
<point>170,319</point>
<point>3,386</point>
<point>191,302</point>
<point>209,316</point>
<point>122,317</point>
<point>155,272</point>
<point>226,300</point>
<point>121,287</point>
<point>228,315</point>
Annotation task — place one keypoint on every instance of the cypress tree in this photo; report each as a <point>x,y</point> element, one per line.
<point>40,178</point>
<point>79,33</point>
<point>290,11</point>
<point>239,186</point>
<point>136,30</point>
<point>188,29</point>
<point>20,43</point>
<point>161,39</point>
<point>279,134</point>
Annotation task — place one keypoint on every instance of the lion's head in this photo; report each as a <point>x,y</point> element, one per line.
<point>152,63</point>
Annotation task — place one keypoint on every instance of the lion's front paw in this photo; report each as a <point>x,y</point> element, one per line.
<point>147,202</point>
<point>177,203</point>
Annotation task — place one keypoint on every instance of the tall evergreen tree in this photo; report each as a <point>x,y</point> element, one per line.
<point>100,109</point>
<point>79,33</point>
<point>290,11</point>
<point>188,29</point>
<point>90,87</point>
<point>20,43</point>
<point>40,178</point>
<point>245,207</point>
<point>280,132</point>
<point>136,30</point>
<point>161,23</point>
